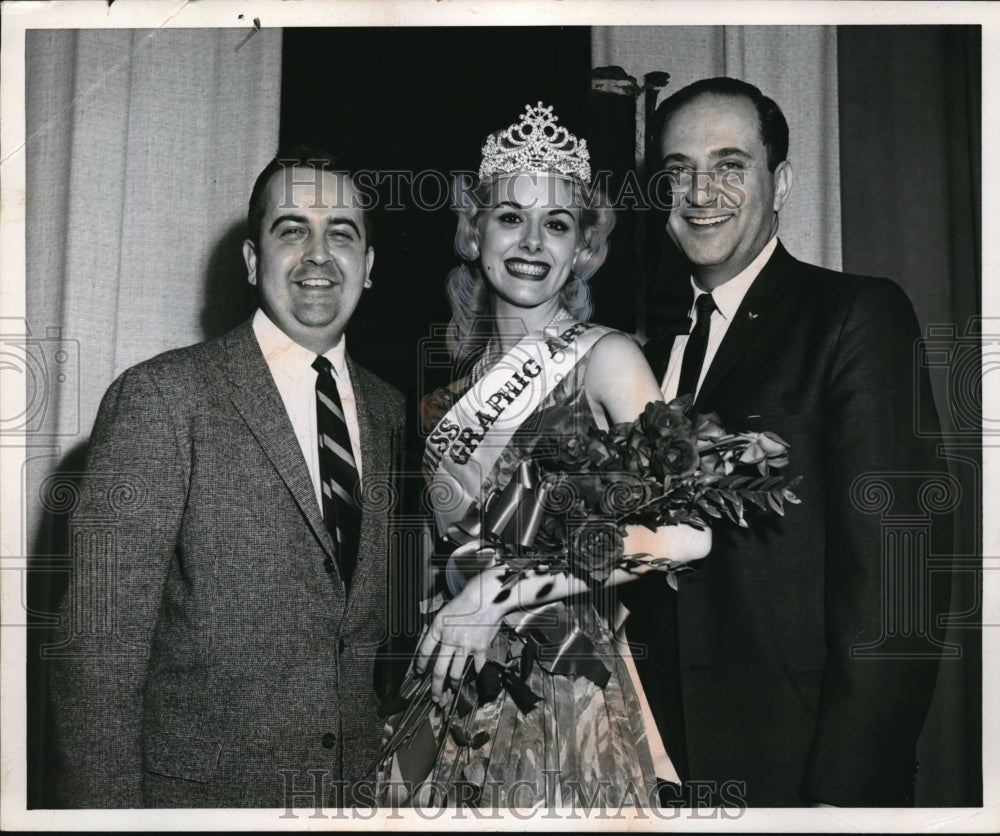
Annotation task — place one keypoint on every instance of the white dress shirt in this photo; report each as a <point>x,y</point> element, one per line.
<point>291,368</point>
<point>728,296</point>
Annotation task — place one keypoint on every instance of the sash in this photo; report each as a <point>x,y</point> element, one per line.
<point>463,448</point>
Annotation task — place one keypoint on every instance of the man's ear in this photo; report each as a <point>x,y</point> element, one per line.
<point>369,261</point>
<point>250,257</point>
<point>782,184</point>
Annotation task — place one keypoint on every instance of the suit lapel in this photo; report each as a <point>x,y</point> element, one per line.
<point>375,459</point>
<point>256,398</point>
<point>751,321</point>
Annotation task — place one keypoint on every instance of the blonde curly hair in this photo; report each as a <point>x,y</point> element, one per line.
<point>469,295</point>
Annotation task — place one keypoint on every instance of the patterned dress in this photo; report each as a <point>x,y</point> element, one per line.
<point>581,744</point>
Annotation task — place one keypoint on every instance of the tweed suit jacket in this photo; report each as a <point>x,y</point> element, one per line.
<point>236,661</point>
<point>791,680</point>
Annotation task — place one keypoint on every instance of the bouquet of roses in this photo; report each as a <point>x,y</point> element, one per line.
<point>564,510</point>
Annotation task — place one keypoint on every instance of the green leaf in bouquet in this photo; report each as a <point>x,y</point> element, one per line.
<point>790,496</point>
<point>709,508</point>
<point>770,482</point>
<point>774,500</point>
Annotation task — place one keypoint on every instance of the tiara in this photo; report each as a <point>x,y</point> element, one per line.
<point>536,143</point>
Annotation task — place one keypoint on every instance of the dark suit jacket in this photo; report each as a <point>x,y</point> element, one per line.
<point>219,650</point>
<point>766,627</point>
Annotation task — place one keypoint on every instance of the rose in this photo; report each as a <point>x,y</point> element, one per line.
<point>715,465</point>
<point>674,457</point>
<point>551,535</point>
<point>572,452</point>
<point>635,456</point>
<point>765,450</point>
<point>569,450</point>
<point>708,429</point>
<point>602,452</point>
<point>594,550</point>
<point>589,487</point>
<point>775,447</point>
<point>662,419</point>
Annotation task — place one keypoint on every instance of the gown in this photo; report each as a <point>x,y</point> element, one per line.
<point>580,744</point>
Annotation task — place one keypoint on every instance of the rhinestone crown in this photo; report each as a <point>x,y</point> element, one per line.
<point>535,143</point>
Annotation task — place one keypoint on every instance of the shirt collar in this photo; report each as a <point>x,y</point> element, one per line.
<point>729,295</point>
<point>283,354</point>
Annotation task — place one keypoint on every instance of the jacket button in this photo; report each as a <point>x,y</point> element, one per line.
<point>341,646</point>
<point>329,740</point>
<point>328,565</point>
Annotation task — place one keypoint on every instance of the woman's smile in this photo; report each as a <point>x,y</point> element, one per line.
<point>531,270</point>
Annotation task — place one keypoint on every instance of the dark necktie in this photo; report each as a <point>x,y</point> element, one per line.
<point>694,351</point>
<point>338,472</point>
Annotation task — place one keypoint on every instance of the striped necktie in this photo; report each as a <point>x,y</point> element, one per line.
<point>338,472</point>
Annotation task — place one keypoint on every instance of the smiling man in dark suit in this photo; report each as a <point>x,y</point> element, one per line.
<point>759,669</point>
<point>248,587</point>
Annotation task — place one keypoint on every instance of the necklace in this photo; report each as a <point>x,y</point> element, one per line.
<point>492,353</point>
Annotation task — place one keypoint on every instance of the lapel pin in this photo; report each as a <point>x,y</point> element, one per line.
<point>751,315</point>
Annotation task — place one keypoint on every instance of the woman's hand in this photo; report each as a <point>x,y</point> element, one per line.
<point>464,627</point>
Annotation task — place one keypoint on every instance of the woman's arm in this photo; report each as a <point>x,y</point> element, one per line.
<point>619,380</point>
<point>468,623</point>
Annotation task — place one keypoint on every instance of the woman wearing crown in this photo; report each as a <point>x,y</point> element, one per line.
<point>534,704</point>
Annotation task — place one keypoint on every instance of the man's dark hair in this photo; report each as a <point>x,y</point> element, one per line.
<point>773,127</point>
<point>298,156</point>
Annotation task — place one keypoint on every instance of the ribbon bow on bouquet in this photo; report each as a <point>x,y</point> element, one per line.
<point>504,533</point>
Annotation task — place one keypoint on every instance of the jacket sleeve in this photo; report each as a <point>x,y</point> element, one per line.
<point>124,532</point>
<point>877,682</point>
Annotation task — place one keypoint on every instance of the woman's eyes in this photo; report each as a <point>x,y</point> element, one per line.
<point>514,218</point>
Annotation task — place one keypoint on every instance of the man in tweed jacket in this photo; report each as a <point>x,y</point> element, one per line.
<point>241,666</point>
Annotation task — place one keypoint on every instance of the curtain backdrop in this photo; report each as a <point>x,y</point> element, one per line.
<point>911,169</point>
<point>142,147</point>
